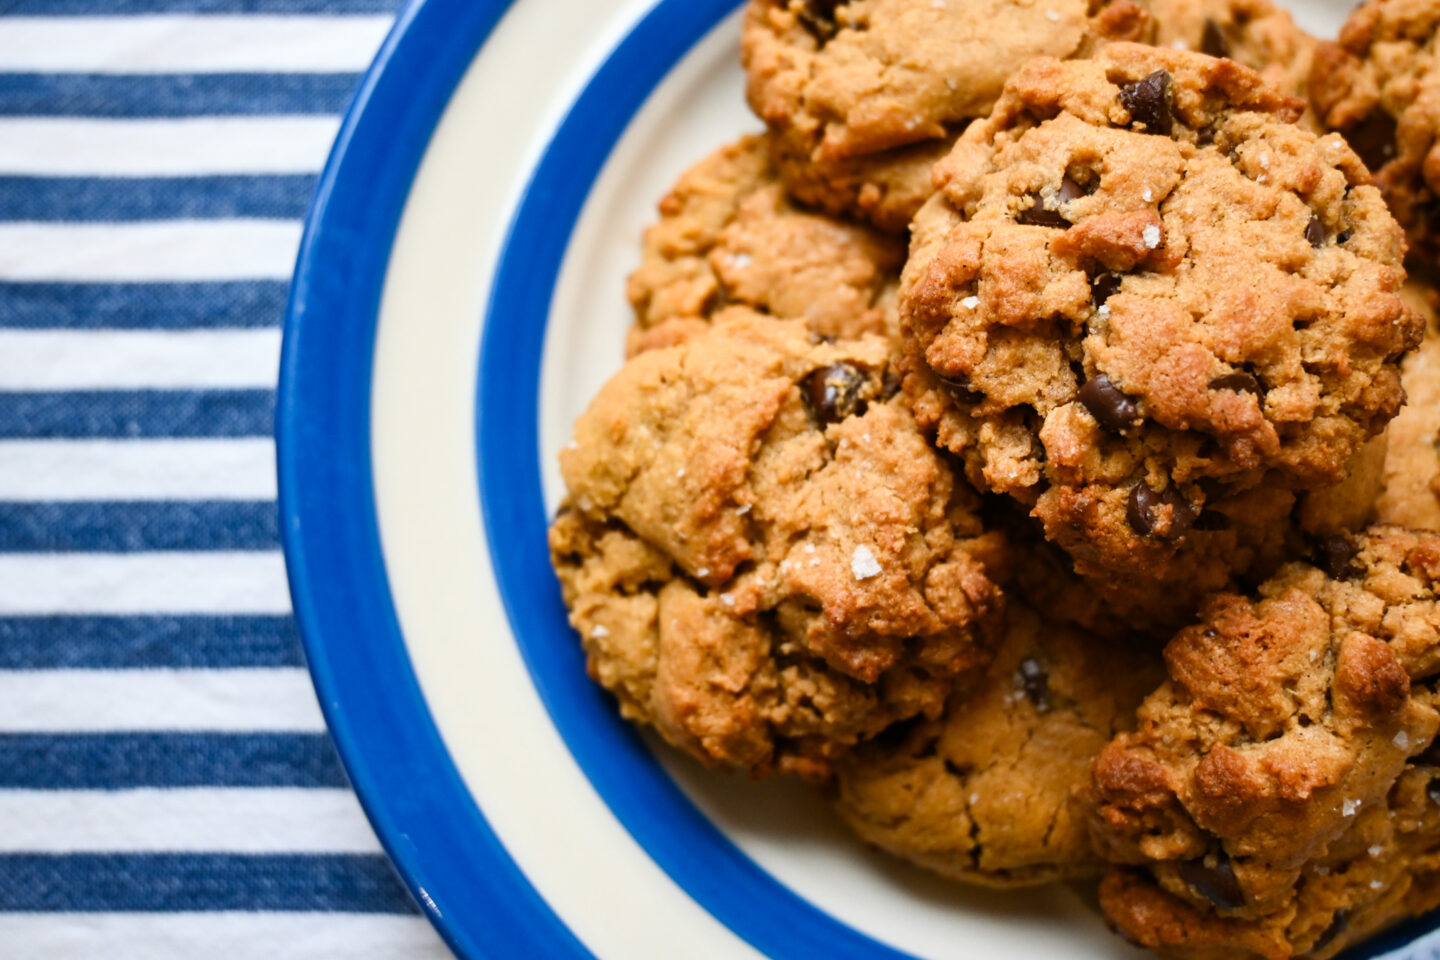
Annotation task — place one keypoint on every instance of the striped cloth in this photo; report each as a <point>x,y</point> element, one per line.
<point>166,786</point>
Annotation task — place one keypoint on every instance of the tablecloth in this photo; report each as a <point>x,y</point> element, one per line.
<point>167,789</point>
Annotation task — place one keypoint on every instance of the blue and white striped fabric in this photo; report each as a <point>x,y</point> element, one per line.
<point>167,789</point>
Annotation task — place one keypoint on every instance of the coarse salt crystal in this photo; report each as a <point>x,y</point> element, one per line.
<point>743,509</point>
<point>703,572</point>
<point>728,599</point>
<point>1180,45</point>
<point>1349,807</point>
<point>679,473</point>
<point>599,632</point>
<point>1324,871</point>
<point>1151,236</point>
<point>1104,310</point>
<point>584,503</point>
<point>1376,884</point>
<point>865,437</point>
<point>974,799</point>
<point>950,82</point>
<point>970,303</point>
<point>815,562</point>
<point>1402,740</point>
<point>740,261</point>
<point>863,563</point>
<point>1052,15</point>
<point>1148,194</point>
<point>1376,850</point>
<point>809,548</point>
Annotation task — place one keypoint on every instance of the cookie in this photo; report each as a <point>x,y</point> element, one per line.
<point>727,234</point>
<point>995,791</point>
<point>1285,719</point>
<point>1377,85</point>
<point>1255,33</point>
<point>1411,481</point>
<point>863,96</point>
<point>1148,305</point>
<point>765,558</point>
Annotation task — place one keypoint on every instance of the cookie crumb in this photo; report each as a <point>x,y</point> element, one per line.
<point>863,563</point>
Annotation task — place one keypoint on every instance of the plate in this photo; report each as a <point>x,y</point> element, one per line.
<point>458,299</point>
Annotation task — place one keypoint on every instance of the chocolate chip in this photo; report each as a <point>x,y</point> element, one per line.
<point>1144,511</point>
<point>1333,553</point>
<point>1070,190</point>
<point>899,733</point>
<point>1374,139</point>
<point>818,16</point>
<point>1214,879</point>
<point>1038,216</point>
<point>1315,232</point>
<point>960,389</point>
<point>1338,923</point>
<point>1103,287</point>
<point>1036,683</point>
<point>1212,40</point>
<point>1432,790</point>
<point>889,384</point>
<point>833,392</point>
<point>1148,102</point>
<point>1239,382</point>
<point>1111,409</point>
<point>1344,235</point>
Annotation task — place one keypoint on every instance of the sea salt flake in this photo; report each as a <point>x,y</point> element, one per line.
<point>815,562</point>
<point>970,303</point>
<point>744,508</point>
<point>974,799</point>
<point>1104,310</point>
<point>1349,807</point>
<point>680,473</point>
<point>865,437</point>
<point>741,260</point>
<point>703,572</point>
<point>809,548</point>
<point>1402,740</point>
<point>863,563</point>
<point>1324,871</point>
<point>1151,236</point>
<point>1376,850</point>
<point>728,599</point>
<point>598,632</point>
<point>1180,45</point>
<point>1376,884</point>
<point>1148,194</point>
<point>584,503</point>
<point>1052,15</point>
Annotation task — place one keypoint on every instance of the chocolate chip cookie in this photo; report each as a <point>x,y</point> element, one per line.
<point>764,557</point>
<point>1378,86</point>
<point>1148,305</point>
<point>727,234</point>
<point>995,792</point>
<point>1287,718</point>
<point>1411,495</point>
<point>864,96</point>
<point>1254,32</point>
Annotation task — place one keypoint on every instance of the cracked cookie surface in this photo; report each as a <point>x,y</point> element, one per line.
<point>995,791</point>
<point>797,568</point>
<point>1411,482</point>
<point>727,234</point>
<point>1378,85</point>
<point>1284,722</point>
<point>1148,305</point>
<point>863,96</point>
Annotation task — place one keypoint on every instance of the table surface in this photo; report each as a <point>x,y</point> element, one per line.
<point>167,788</point>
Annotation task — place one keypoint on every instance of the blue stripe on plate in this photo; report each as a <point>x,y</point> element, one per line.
<point>159,198</point>
<point>112,8</point>
<point>126,761</point>
<point>137,413</point>
<point>131,526</point>
<point>173,95</point>
<point>169,882</point>
<point>168,306</point>
<point>129,642</point>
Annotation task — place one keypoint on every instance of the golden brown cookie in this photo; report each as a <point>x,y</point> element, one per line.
<point>765,558</point>
<point>863,96</point>
<point>1149,305</point>
<point>728,235</point>
<point>1378,86</point>
<point>1411,496</point>
<point>1256,33</point>
<point>1286,720</point>
<point>995,792</point>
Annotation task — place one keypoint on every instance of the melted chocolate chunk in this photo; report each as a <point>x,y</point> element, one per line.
<point>1333,553</point>
<point>1344,235</point>
<point>1315,232</point>
<point>1111,409</point>
<point>890,383</point>
<point>1212,40</point>
<point>1214,879</point>
<point>1038,216</point>
<point>1070,190</point>
<point>1103,287</point>
<point>1144,511</point>
<point>833,392</point>
<point>818,16</point>
<point>1148,102</point>
<point>1239,382</point>
<point>1035,681</point>
<point>1337,926</point>
<point>960,389</point>
<point>1374,139</point>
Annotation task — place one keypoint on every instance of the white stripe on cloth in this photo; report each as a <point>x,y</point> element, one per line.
<point>180,582</point>
<point>189,820</point>
<point>96,701</point>
<point>198,146</point>
<point>156,360</point>
<point>70,470</point>
<point>191,44</point>
<point>166,250</point>
<point>232,936</point>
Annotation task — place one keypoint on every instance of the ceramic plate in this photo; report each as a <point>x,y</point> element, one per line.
<point>459,298</point>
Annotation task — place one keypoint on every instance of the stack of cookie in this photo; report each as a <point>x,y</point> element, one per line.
<point>1014,442</point>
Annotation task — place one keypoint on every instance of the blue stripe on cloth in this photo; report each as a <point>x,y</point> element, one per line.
<point>170,882</point>
<point>174,95</point>
<point>127,761</point>
<point>137,413</point>
<point>169,306</point>
<point>130,642</point>
<point>110,8</point>
<point>160,198</point>
<point>133,526</point>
